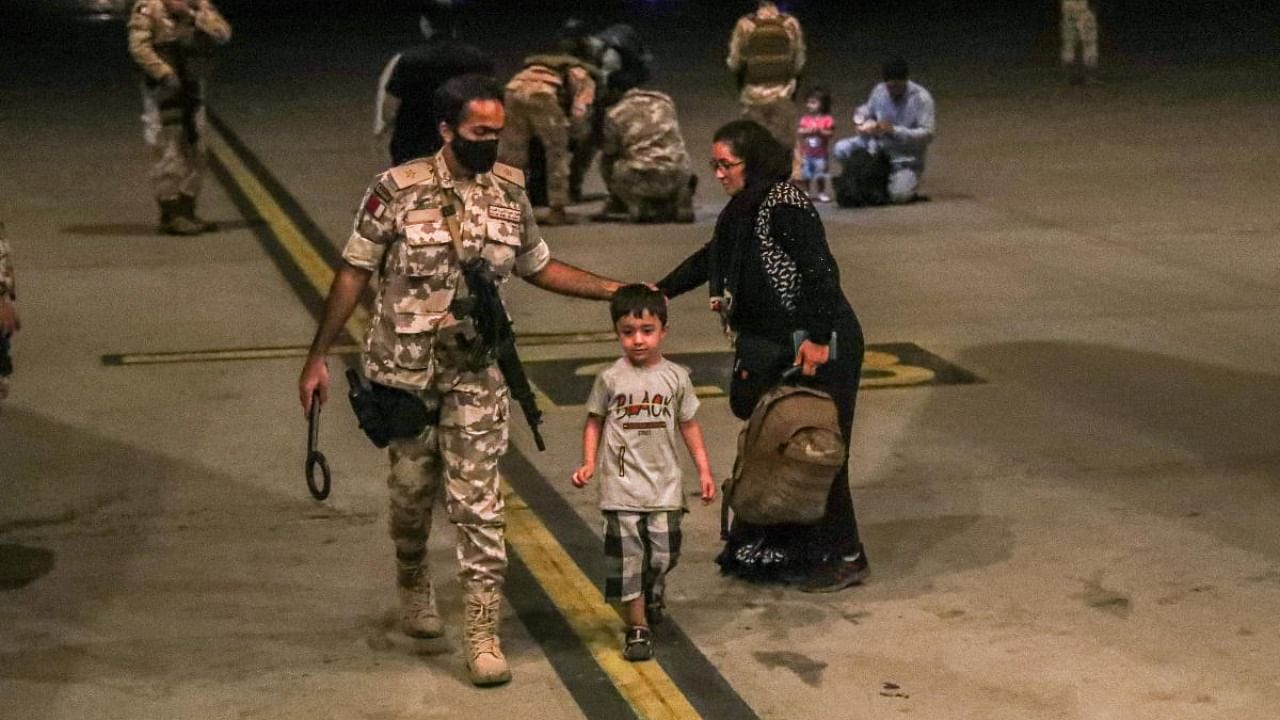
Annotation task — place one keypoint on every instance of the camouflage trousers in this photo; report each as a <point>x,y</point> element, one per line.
<point>583,154</point>
<point>538,115</point>
<point>660,192</point>
<point>779,117</point>
<point>1079,32</point>
<point>461,455</point>
<point>176,137</point>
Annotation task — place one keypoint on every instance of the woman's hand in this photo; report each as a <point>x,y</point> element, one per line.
<point>811,356</point>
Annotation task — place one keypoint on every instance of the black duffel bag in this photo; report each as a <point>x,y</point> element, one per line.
<point>864,181</point>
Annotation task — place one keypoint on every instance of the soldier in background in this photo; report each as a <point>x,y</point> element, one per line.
<point>171,40</point>
<point>617,48</point>
<point>1080,41</point>
<point>644,160</point>
<point>550,99</point>
<point>409,81</point>
<point>767,54</point>
<point>9,322</point>
<point>416,225</point>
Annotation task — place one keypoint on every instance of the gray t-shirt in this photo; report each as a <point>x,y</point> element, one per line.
<point>636,465</point>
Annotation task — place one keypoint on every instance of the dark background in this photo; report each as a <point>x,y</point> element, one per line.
<point>1140,30</point>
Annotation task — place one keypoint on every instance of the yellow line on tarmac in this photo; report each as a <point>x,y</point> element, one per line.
<point>221,355</point>
<point>313,267</point>
<point>645,686</point>
<point>292,351</point>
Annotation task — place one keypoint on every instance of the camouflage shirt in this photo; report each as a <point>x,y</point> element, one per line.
<point>642,129</point>
<point>163,44</point>
<point>7,281</point>
<point>572,81</point>
<point>402,230</point>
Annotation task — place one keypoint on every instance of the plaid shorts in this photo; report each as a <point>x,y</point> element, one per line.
<point>640,548</point>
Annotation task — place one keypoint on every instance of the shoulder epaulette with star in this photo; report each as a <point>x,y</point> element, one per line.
<point>411,173</point>
<point>513,175</point>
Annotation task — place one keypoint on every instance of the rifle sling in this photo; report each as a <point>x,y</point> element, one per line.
<point>451,218</point>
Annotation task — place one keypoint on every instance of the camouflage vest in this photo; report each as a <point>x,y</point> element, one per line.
<point>421,273</point>
<point>553,69</point>
<point>767,55</point>
<point>176,41</point>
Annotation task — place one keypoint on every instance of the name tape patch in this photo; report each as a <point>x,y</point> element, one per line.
<point>502,212</point>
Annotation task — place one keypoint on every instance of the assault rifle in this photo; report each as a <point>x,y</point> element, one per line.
<point>497,340</point>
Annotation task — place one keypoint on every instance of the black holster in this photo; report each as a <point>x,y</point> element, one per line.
<point>386,413</point>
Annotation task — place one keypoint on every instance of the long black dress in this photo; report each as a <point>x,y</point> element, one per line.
<point>769,253</point>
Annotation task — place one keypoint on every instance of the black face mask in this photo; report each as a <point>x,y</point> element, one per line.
<point>478,156</point>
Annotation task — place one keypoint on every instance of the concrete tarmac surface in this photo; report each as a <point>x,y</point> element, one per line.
<point>1087,533</point>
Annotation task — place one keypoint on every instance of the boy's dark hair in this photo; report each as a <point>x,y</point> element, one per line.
<point>636,300</point>
<point>451,99</point>
<point>823,96</point>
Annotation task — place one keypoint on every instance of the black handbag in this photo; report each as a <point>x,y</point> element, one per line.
<point>758,363</point>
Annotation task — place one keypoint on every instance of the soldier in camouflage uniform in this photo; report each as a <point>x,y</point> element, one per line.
<point>170,40</point>
<point>413,224</point>
<point>616,49</point>
<point>550,99</point>
<point>9,322</point>
<point>1080,41</point>
<point>767,54</point>
<point>644,163</point>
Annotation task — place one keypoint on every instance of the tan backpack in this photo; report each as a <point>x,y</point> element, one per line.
<point>789,452</point>
<point>768,55</point>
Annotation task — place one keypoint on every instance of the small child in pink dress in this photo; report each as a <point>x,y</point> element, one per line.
<point>814,140</point>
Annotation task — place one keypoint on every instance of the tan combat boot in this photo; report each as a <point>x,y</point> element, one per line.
<point>418,615</point>
<point>559,216</point>
<point>187,204</point>
<point>485,661</point>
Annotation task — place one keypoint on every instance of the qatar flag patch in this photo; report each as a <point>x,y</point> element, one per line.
<point>377,203</point>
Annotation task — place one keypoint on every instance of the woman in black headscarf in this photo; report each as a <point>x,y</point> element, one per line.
<point>771,274</point>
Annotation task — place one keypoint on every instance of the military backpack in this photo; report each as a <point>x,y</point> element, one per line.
<point>767,55</point>
<point>789,452</point>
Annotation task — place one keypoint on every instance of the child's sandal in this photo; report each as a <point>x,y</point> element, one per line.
<point>637,644</point>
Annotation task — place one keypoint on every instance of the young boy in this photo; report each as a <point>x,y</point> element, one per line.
<point>637,405</point>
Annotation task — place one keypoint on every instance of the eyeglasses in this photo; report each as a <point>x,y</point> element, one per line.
<point>724,165</point>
